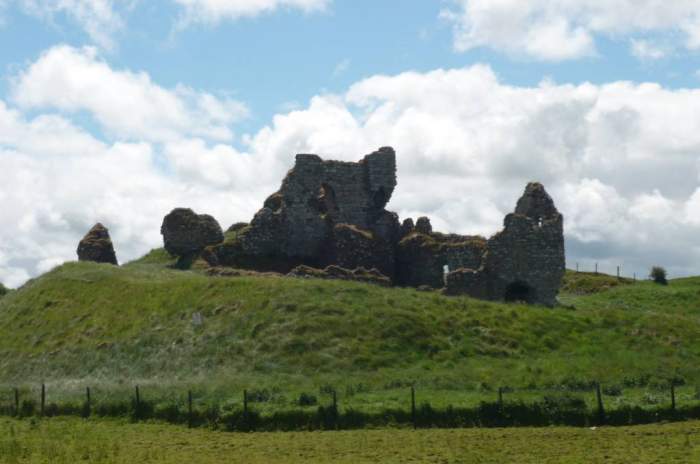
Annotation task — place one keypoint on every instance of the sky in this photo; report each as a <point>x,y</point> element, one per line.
<point>117,111</point>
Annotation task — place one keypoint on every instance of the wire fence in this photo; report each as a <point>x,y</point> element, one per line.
<point>498,410</point>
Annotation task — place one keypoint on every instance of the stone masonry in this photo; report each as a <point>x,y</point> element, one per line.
<point>332,213</point>
<point>97,246</point>
<point>325,212</point>
<point>186,233</point>
<point>523,262</point>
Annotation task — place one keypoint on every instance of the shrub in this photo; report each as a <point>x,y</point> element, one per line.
<point>306,399</point>
<point>27,408</point>
<point>658,275</point>
<point>612,390</point>
<point>259,396</point>
<point>3,290</point>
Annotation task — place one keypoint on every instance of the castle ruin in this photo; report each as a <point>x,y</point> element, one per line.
<point>332,214</point>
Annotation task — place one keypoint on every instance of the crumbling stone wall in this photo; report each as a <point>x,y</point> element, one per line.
<point>297,224</point>
<point>332,213</point>
<point>360,274</point>
<point>186,233</point>
<point>422,255</point>
<point>352,247</point>
<point>97,246</point>
<point>523,262</point>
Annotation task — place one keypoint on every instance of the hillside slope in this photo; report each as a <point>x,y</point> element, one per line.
<point>141,321</point>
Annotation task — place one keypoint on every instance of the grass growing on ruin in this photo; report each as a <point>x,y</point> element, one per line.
<point>74,440</point>
<point>86,324</point>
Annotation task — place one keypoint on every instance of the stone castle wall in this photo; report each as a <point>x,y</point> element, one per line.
<point>332,213</point>
<point>525,261</point>
<point>297,224</point>
<point>422,257</point>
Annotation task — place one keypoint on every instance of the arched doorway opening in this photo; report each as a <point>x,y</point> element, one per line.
<point>519,292</point>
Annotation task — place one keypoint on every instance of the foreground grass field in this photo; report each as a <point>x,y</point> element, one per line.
<point>67,441</point>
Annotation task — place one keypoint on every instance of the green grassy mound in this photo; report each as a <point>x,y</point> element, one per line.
<point>586,283</point>
<point>111,327</point>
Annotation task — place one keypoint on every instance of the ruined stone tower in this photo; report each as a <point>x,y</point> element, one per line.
<point>326,212</point>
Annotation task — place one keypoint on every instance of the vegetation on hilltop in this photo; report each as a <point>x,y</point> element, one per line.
<point>658,275</point>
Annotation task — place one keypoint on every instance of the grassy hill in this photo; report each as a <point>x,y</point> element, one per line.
<point>111,327</point>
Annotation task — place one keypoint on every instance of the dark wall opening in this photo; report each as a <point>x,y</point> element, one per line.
<point>379,199</point>
<point>325,202</point>
<point>519,291</point>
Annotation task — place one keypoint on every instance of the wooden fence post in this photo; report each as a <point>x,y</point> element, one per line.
<point>500,399</point>
<point>43,399</point>
<point>246,416</point>
<point>137,398</point>
<point>618,272</point>
<point>88,404</point>
<point>413,407</point>
<point>576,267</point>
<point>673,396</point>
<point>17,402</point>
<point>245,402</point>
<point>596,268</point>
<point>601,410</point>
<point>335,408</point>
<point>190,419</point>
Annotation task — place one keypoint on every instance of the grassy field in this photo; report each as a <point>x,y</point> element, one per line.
<point>110,328</point>
<point>68,441</point>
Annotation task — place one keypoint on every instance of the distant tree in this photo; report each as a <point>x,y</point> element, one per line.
<point>658,275</point>
<point>3,290</point>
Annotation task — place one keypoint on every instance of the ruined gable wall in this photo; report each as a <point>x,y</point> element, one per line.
<point>528,253</point>
<point>525,260</point>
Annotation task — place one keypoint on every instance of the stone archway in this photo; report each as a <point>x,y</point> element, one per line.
<point>519,291</point>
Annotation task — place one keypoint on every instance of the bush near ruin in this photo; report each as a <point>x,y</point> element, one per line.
<point>658,275</point>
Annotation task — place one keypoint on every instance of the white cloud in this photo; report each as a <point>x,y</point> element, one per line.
<point>51,196</point>
<point>101,20</point>
<point>620,160</point>
<point>127,105</point>
<point>566,29</point>
<point>214,11</point>
<point>98,18</point>
<point>647,50</point>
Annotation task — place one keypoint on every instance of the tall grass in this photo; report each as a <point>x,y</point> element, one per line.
<point>111,328</point>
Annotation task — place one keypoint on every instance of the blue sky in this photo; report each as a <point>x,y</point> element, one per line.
<point>273,60</point>
<point>119,110</point>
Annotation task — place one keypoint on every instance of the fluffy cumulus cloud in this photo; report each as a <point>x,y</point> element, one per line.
<point>102,20</point>
<point>98,18</point>
<point>214,11</point>
<point>566,29</point>
<point>620,160</point>
<point>127,105</point>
